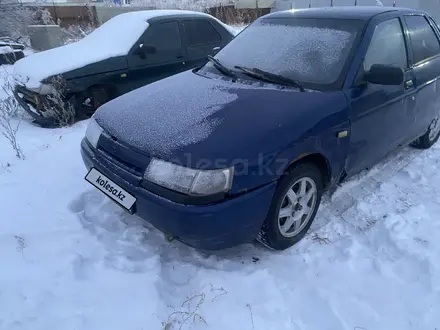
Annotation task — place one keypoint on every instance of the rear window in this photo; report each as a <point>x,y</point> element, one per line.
<point>424,41</point>
<point>311,51</point>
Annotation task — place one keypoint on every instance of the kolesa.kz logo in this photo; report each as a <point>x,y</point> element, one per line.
<point>114,191</point>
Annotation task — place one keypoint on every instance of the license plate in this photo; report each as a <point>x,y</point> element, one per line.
<point>111,189</point>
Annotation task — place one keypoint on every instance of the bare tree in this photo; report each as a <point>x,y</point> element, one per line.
<point>10,120</point>
<point>58,104</point>
<point>196,5</point>
<point>14,19</point>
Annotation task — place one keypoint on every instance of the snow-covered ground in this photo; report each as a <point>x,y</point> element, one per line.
<point>71,259</point>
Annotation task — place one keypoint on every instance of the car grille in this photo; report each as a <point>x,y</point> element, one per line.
<point>121,163</point>
<point>122,156</point>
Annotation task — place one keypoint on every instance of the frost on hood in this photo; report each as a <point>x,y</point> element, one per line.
<point>165,115</point>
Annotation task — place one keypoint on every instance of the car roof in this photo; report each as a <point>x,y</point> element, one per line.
<point>147,15</point>
<point>150,16</point>
<point>340,12</point>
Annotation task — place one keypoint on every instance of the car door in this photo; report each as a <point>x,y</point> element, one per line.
<point>379,114</point>
<point>423,35</point>
<point>201,39</point>
<point>164,54</point>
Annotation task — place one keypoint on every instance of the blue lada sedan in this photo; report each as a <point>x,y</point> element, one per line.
<point>243,147</point>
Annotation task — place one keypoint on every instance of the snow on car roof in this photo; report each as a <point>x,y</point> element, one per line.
<point>149,14</point>
<point>127,28</point>
<point>113,38</point>
<point>134,24</point>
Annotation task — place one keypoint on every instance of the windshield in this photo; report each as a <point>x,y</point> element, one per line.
<point>313,52</point>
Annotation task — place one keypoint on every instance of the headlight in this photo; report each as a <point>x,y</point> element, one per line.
<point>93,132</point>
<point>187,180</point>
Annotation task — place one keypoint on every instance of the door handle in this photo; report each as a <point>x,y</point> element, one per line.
<point>179,56</point>
<point>409,84</point>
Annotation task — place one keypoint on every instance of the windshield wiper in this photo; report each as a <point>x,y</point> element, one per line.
<point>219,66</point>
<point>270,77</point>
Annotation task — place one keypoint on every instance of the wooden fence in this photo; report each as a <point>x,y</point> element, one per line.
<point>83,15</point>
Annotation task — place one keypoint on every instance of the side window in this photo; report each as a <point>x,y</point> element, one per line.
<point>387,46</point>
<point>199,32</point>
<point>164,36</point>
<point>423,38</point>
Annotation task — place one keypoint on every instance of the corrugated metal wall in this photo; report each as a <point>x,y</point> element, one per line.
<point>430,6</point>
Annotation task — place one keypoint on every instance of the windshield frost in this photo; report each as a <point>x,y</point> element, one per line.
<point>301,49</point>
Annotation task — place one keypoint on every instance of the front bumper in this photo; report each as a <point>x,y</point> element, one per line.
<point>33,104</point>
<point>210,227</point>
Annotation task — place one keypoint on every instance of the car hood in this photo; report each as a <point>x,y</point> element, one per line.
<point>31,70</point>
<point>191,119</point>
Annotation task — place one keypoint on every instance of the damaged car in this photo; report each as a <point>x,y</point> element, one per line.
<point>127,52</point>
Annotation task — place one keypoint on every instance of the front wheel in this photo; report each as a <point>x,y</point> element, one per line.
<point>294,206</point>
<point>89,101</point>
<point>431,136</point>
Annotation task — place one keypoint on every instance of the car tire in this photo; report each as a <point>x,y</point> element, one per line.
<point>291,201</point>
<point>431,136</point>
<point>89,101</point>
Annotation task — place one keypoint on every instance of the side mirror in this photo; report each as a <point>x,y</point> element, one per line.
<point>149,49</point>
<point>384,75</point>
<point>145,49</point>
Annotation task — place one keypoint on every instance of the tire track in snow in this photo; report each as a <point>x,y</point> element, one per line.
<point>131,245</point>
<point>122,236</point>
<point>342,204</point>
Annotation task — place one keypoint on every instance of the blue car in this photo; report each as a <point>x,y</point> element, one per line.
<point>243,147</point>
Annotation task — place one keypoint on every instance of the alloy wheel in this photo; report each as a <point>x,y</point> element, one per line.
<point>297,207</point>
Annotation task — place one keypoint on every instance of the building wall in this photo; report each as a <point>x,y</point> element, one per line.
<point>103,13</point>
<point>41,1</point>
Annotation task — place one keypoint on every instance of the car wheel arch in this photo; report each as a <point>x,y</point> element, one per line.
<point>110,88</point>
<point>317,159</point>
<point>84,112</point>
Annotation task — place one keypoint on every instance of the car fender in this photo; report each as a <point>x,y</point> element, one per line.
<point>112,71</point>
<point>331,145</point>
